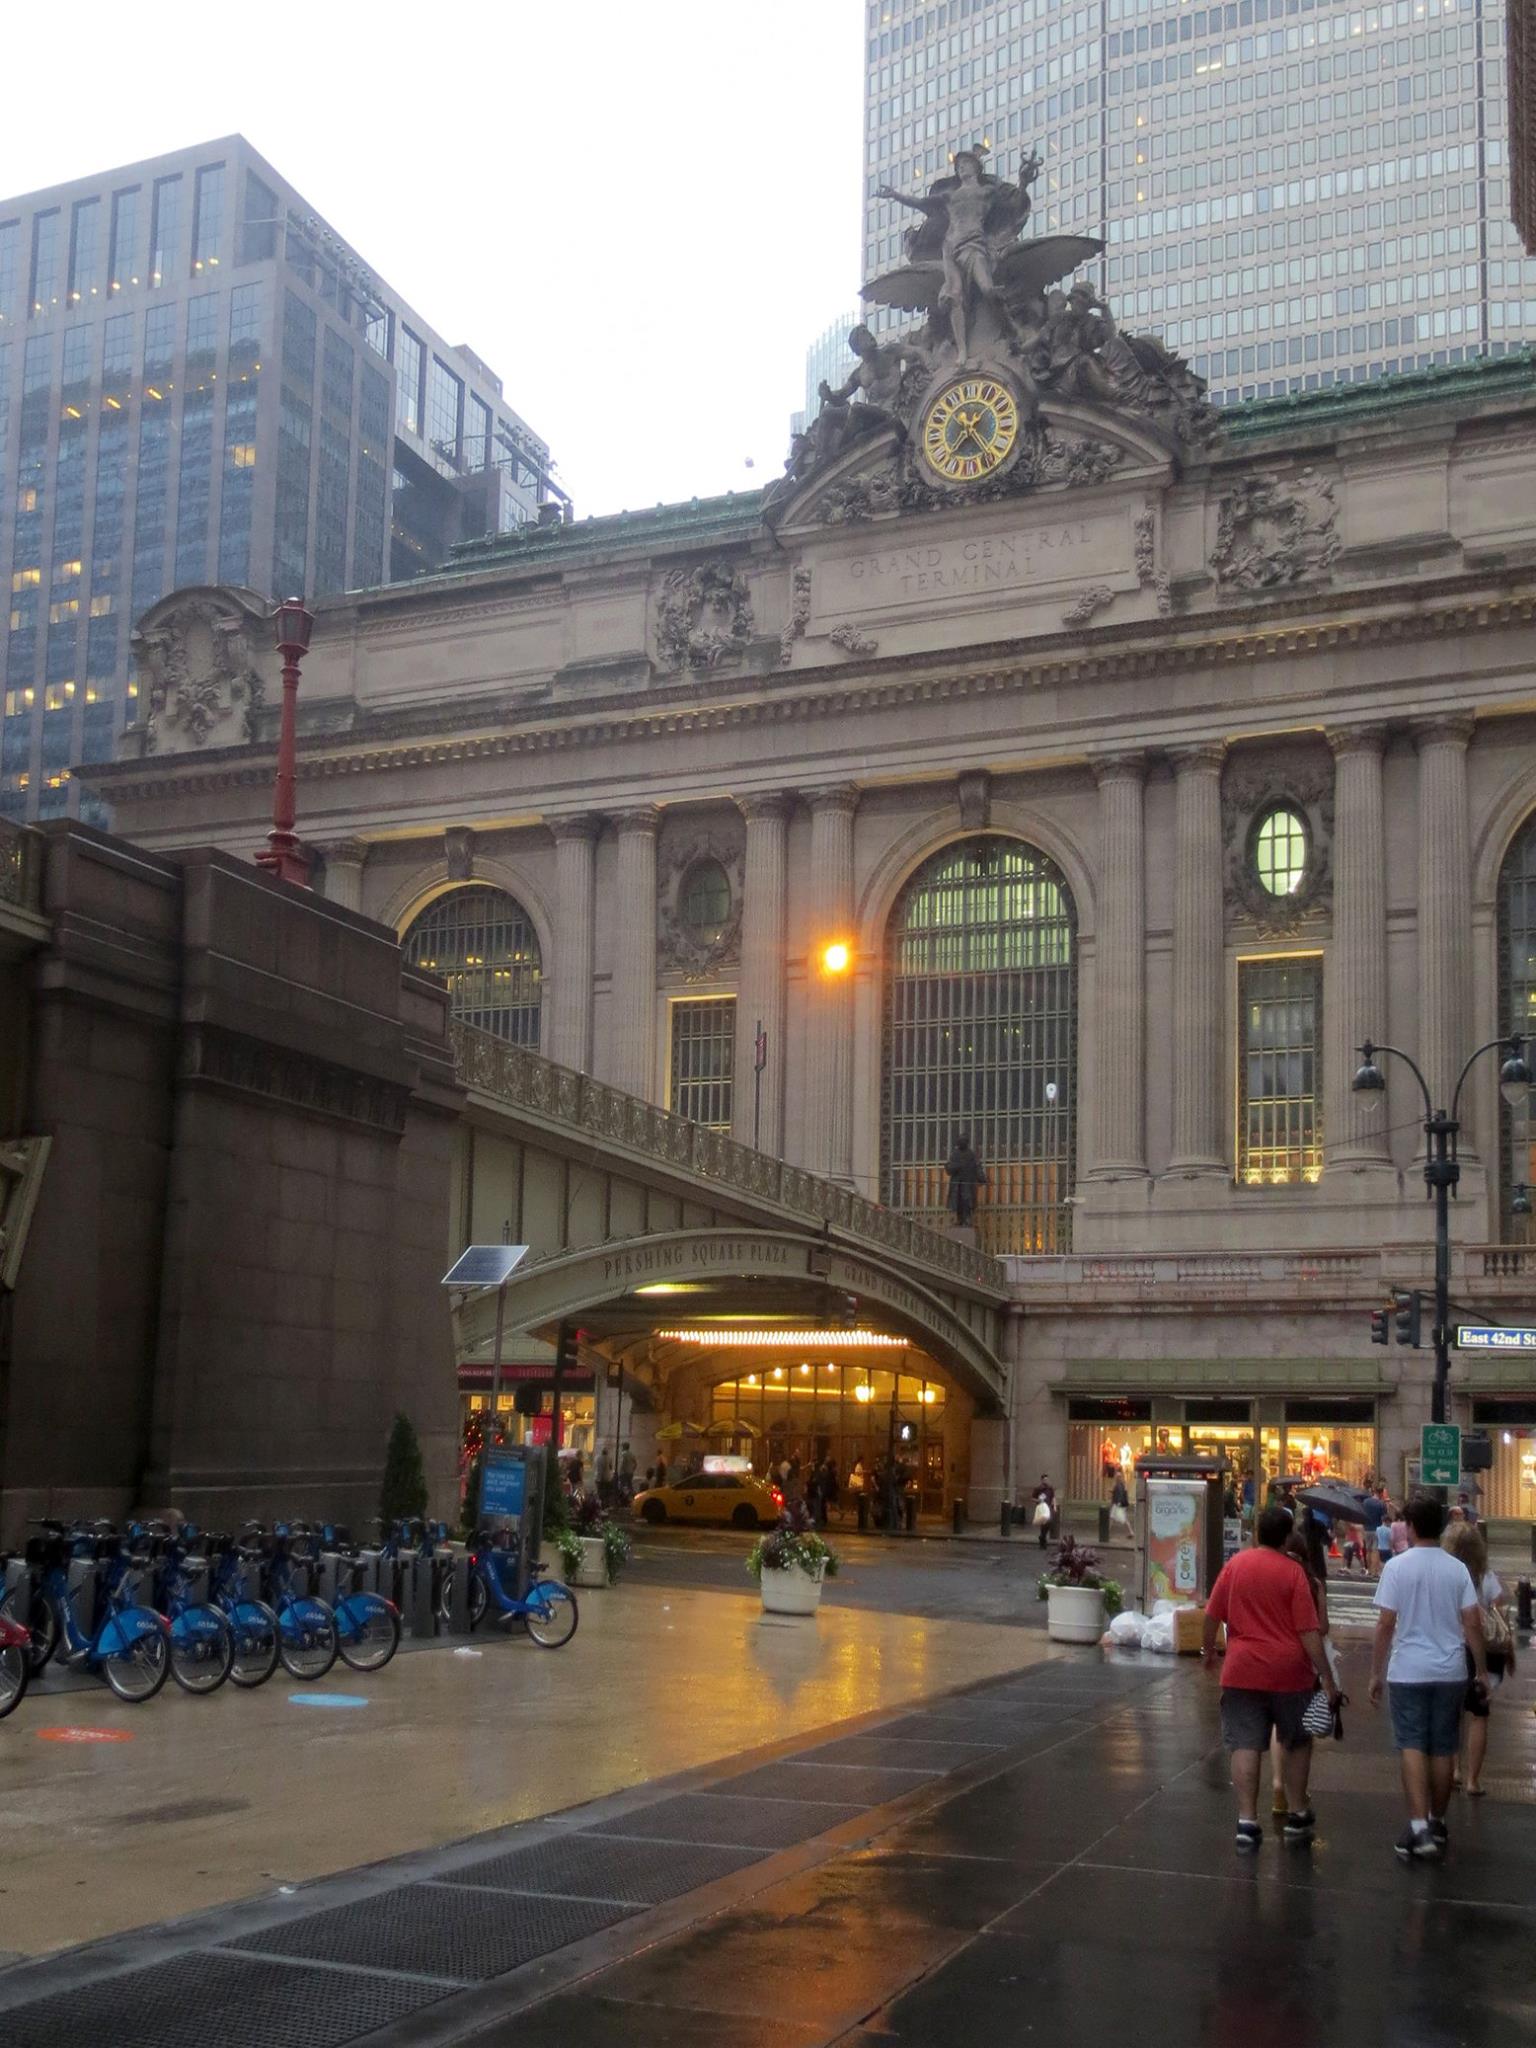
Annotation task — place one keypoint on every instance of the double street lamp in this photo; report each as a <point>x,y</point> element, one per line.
<point>1442,1168</point>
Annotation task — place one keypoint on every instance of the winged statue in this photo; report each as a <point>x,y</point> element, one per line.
<point>966,267</point>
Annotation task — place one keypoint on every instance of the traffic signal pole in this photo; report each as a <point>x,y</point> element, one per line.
<point>1442,1170</point>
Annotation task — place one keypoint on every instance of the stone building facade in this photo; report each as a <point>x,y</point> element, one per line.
<point>1141,786</point>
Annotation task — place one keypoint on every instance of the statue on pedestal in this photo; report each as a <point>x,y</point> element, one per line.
<point>966,1175</point>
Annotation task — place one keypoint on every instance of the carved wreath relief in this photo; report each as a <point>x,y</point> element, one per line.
<point>705,616</point>
<point>680,948</point>
<point>1249,792</point>
<point>1272,532</point>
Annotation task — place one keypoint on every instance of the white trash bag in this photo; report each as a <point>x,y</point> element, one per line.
<point>1126,1629</point>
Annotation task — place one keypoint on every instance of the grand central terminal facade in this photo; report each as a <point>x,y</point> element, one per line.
<point>1042,761</point>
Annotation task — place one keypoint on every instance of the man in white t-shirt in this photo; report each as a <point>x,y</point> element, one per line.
<point>1428,1619</point>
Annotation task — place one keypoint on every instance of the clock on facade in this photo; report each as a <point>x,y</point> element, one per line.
<point>970,429</point>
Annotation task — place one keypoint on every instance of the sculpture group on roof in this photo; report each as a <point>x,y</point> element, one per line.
<point>993,301</point>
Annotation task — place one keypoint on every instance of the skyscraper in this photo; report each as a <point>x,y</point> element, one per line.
<point>1292,193</point>
<point>201,382</point>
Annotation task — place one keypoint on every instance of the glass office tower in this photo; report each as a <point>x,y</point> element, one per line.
<point>200,382</point>
<point>1293,193</point>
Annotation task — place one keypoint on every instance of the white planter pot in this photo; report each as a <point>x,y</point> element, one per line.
<point>593,1569</point>
<point>791,1589</point>
<point>1074,1614</point>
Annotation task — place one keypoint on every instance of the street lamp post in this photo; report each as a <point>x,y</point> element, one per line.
<point>1442,1168</point>
<point>283,856</point>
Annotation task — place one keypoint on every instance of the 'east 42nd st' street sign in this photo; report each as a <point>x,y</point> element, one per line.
<point>1492,1337</point>
<point>1440,1454</point>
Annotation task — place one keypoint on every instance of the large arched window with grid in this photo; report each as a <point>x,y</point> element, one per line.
<point>481,941</point>
<point>1517,1012</point>
<point>981,1039</point>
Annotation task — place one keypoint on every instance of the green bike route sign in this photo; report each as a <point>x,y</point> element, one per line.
<point>1440,1454</point>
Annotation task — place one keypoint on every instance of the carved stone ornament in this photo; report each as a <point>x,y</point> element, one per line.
<point>697,956</point>
<point>852,640</point>
<point>705,616</point>
<point>799,615</point>
<point>1147,571</point>
<point>973,794</point>
<point>1098,597</point>
<point>459,853</point>
<point>1249,791</point>
<point>198,654</point>
<point>1272,532</point>
<point>1047,458</point>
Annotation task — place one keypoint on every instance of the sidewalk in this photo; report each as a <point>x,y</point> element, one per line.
<point>1044,1857</point>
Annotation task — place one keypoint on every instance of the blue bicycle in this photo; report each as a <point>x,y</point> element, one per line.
<point>129,1644</point>
<point>547,1610</point>
<point>367,1625</point>
<point>202,1642</point>
<point>255,1628</point>
<point>306,1627</point>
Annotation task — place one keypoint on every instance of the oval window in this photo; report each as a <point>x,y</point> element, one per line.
<point>706,902</point>
<point>1280,851</point>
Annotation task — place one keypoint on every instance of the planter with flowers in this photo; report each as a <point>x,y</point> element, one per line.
<point>791,1563</point>
<point>598,1548</point>
<point>1079,1599</point>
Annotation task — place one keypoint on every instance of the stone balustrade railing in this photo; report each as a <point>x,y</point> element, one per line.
<point>21,868</point>
<point>511,1073</point>
<point>1305,1271</point>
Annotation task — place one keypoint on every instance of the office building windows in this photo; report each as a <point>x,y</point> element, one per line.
<point>445,402</point>
<point>1279,1113</point>
<point>194,489</point>
<point>10,270</point>
<point>127,228</point>
<point>242,393</point>
<point>165,232</point>
<point>290,551</point>
<point>5,398</point>
<point>208,219</point>
<point>259,222</point>
<point>332,530</point>
<point>153,467</point>
<point>408,374</point>
<point>376,326</point>
<point>45,262</point>
<point>117,355</point>
<point>370,513</point>
<point>85,252</point>
<point>477,434</point>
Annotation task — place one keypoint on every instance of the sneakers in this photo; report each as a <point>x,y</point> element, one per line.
<point>1439,1830</point>
<point>1249,1834</point>
<point>1421,1845</point>
<point>1299,1826</point>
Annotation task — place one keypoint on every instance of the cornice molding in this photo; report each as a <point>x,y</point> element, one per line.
<point>1133,652</point>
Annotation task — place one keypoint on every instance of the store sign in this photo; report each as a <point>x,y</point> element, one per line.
<point>1440,1454</point>
<point>541,1429</point>
<point>1493,1337</point>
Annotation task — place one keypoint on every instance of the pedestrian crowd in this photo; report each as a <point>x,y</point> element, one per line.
<point>1442,1646</point>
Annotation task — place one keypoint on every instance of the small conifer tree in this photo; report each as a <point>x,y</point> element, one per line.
<point>404,1492</point>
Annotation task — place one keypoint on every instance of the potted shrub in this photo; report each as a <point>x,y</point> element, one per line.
<point>791,1562</point>
<point>1079,1599</point>
<point>601,1546</point>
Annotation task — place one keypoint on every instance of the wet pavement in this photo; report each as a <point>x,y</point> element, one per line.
<point>1042,1856</point>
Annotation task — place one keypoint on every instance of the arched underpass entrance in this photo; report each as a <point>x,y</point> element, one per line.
<point>775,1344</point>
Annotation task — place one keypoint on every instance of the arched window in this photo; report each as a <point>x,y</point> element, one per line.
<point>981,1039</point>
<point>481,941</point>
<point>1517,1012</point>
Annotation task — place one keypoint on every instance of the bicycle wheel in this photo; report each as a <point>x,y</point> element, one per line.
<point>551,1615</point>
<point>202,1649</point>
<point>135,1659</point>
<point>478,1598</point>
<point>254,1628</point>
<point>43,1626</point>
<point>367,1631</point>
<point>306,1638</point>
<point>15,1670</point>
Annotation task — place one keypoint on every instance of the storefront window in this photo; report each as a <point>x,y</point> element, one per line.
<point>1319,1439</point>
<point>1509,1489</point>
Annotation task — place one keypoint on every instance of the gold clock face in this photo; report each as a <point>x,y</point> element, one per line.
<point>970,429</point>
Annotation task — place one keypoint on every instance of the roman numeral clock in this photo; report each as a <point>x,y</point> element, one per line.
<point>970,429</point>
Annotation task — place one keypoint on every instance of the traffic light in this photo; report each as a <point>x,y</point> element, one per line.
<point>1379,1325</point>
<point>1405,1319</point>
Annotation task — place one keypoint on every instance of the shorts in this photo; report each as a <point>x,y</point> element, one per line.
<point>1427,1718</point>
<point>1476,1703</point>
<point>1247,1718</point>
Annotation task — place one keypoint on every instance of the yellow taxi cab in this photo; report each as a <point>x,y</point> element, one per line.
<point>727,1490</point>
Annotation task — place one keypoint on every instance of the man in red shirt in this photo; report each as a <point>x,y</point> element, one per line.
<point>1274,1651</point>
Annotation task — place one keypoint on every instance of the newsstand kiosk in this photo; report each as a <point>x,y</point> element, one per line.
<point>1178,1528</point>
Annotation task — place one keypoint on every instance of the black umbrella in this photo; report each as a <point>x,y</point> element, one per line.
<point>1340,1502</point>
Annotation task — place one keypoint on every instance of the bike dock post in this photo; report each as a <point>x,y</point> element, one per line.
<point>82,1594</point>
<point>17,1591</point>
<point>458,1605</point>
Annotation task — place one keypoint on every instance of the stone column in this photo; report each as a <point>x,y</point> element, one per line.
<point>1119,1070</point>
<point>1445,902</point>
<point>1355,995</point>
<point>763,940</point>
<point>632,1040</point>
<point>1198,1008</point>
<point>570,1032</point>
<point>344,861</point>
<point>829,997</point>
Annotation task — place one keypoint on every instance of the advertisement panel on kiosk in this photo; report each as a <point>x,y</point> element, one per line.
<point>512,1502</point>
<point>1179,1528</point>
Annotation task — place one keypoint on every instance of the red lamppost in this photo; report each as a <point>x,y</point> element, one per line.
<point>284,856</point>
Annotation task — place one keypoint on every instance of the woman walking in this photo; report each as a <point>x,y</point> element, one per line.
<point>1305,1544</point>
<point>1466,1541</point>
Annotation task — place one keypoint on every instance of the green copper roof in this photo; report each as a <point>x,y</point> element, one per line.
<point>720,517</point>
<point>1475,382</point>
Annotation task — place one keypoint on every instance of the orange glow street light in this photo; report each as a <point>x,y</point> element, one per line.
<point>836,958</point>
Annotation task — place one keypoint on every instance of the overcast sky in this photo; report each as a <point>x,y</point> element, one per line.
<point>639,212</point>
